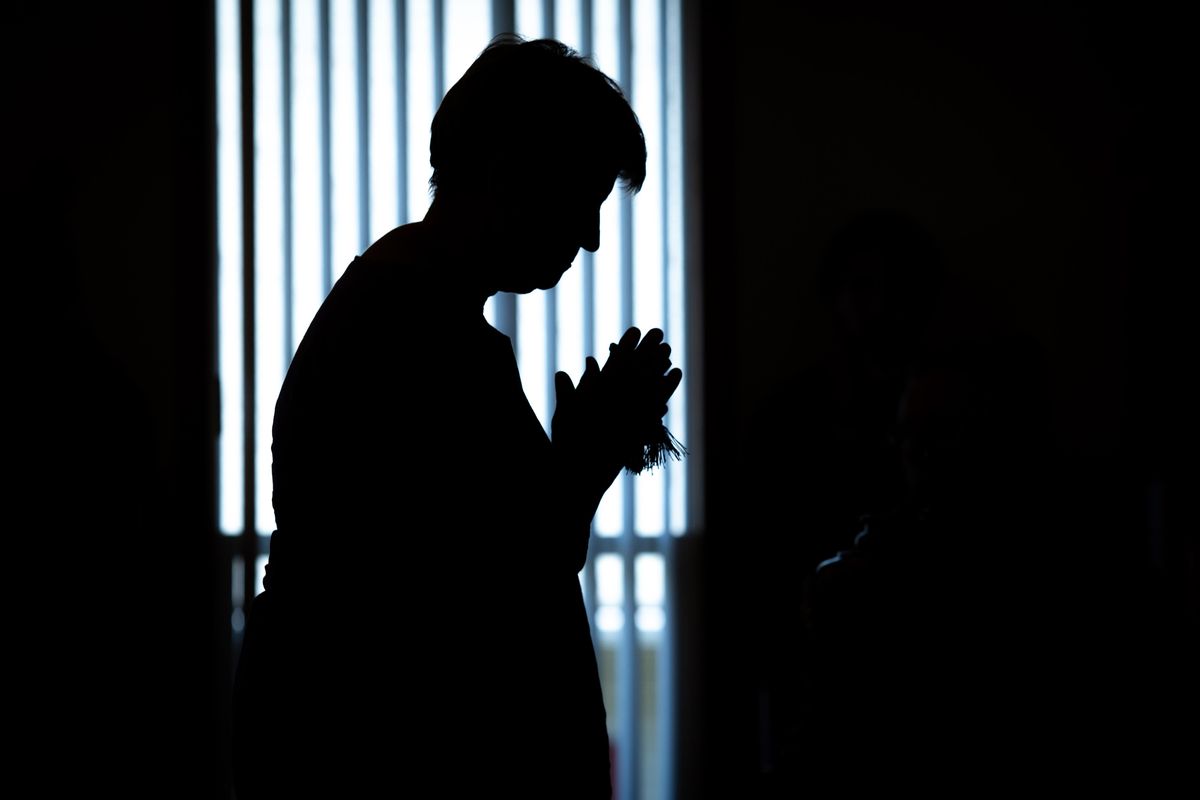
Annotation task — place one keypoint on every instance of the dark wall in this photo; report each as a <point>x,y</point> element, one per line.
<point>1035,145</point>
<point>110,252</point>
<point>1044,149</point>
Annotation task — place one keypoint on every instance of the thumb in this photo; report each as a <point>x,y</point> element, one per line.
<point>563,387</point>
<point>590,372</point>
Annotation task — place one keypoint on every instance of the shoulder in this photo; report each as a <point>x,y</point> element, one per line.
<point>405,246</point>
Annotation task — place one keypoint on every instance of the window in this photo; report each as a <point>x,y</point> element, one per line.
<point>324,110</point>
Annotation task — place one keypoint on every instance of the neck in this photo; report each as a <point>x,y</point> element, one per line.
<point>457,243</point>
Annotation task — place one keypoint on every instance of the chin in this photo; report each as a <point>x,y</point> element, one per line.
<point>551,278</point>
<point>531,279</point>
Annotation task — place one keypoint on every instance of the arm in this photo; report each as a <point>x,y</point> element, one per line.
<point>604,423</point>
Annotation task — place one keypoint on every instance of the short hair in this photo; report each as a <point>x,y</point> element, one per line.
<point>530,103</point>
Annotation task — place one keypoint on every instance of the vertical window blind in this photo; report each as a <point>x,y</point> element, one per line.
<point>324,110</point>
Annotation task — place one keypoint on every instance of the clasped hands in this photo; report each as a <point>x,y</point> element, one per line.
<point>615,411</point>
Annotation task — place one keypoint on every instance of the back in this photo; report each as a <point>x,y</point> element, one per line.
<point>421,619</point>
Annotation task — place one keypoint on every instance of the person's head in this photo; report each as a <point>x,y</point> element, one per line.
<point>530,142</point>
<point>881,273</point>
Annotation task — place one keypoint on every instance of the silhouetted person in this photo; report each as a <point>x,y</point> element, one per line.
<point>422,624</point>
<point>943,610</point>
<point>824,430</point>
<point>880,276</point>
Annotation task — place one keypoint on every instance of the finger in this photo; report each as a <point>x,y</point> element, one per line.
<point>653,354</point>
<point>658,360</point>
<point>671,382</point>
<point>621,354</point>
<point>591,369</point>
<point>651,370</point>
<point>563,387</point>
<point>653,338</point>
<point>629,339</point>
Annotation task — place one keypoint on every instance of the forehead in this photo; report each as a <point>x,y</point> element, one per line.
<point>569,180</point>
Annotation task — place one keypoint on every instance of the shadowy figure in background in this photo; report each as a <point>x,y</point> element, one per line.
<point>422,624</point>
<point>938,610</point>
<point>881,275</point>
<point>826,429</point>
<point>972,633</point>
